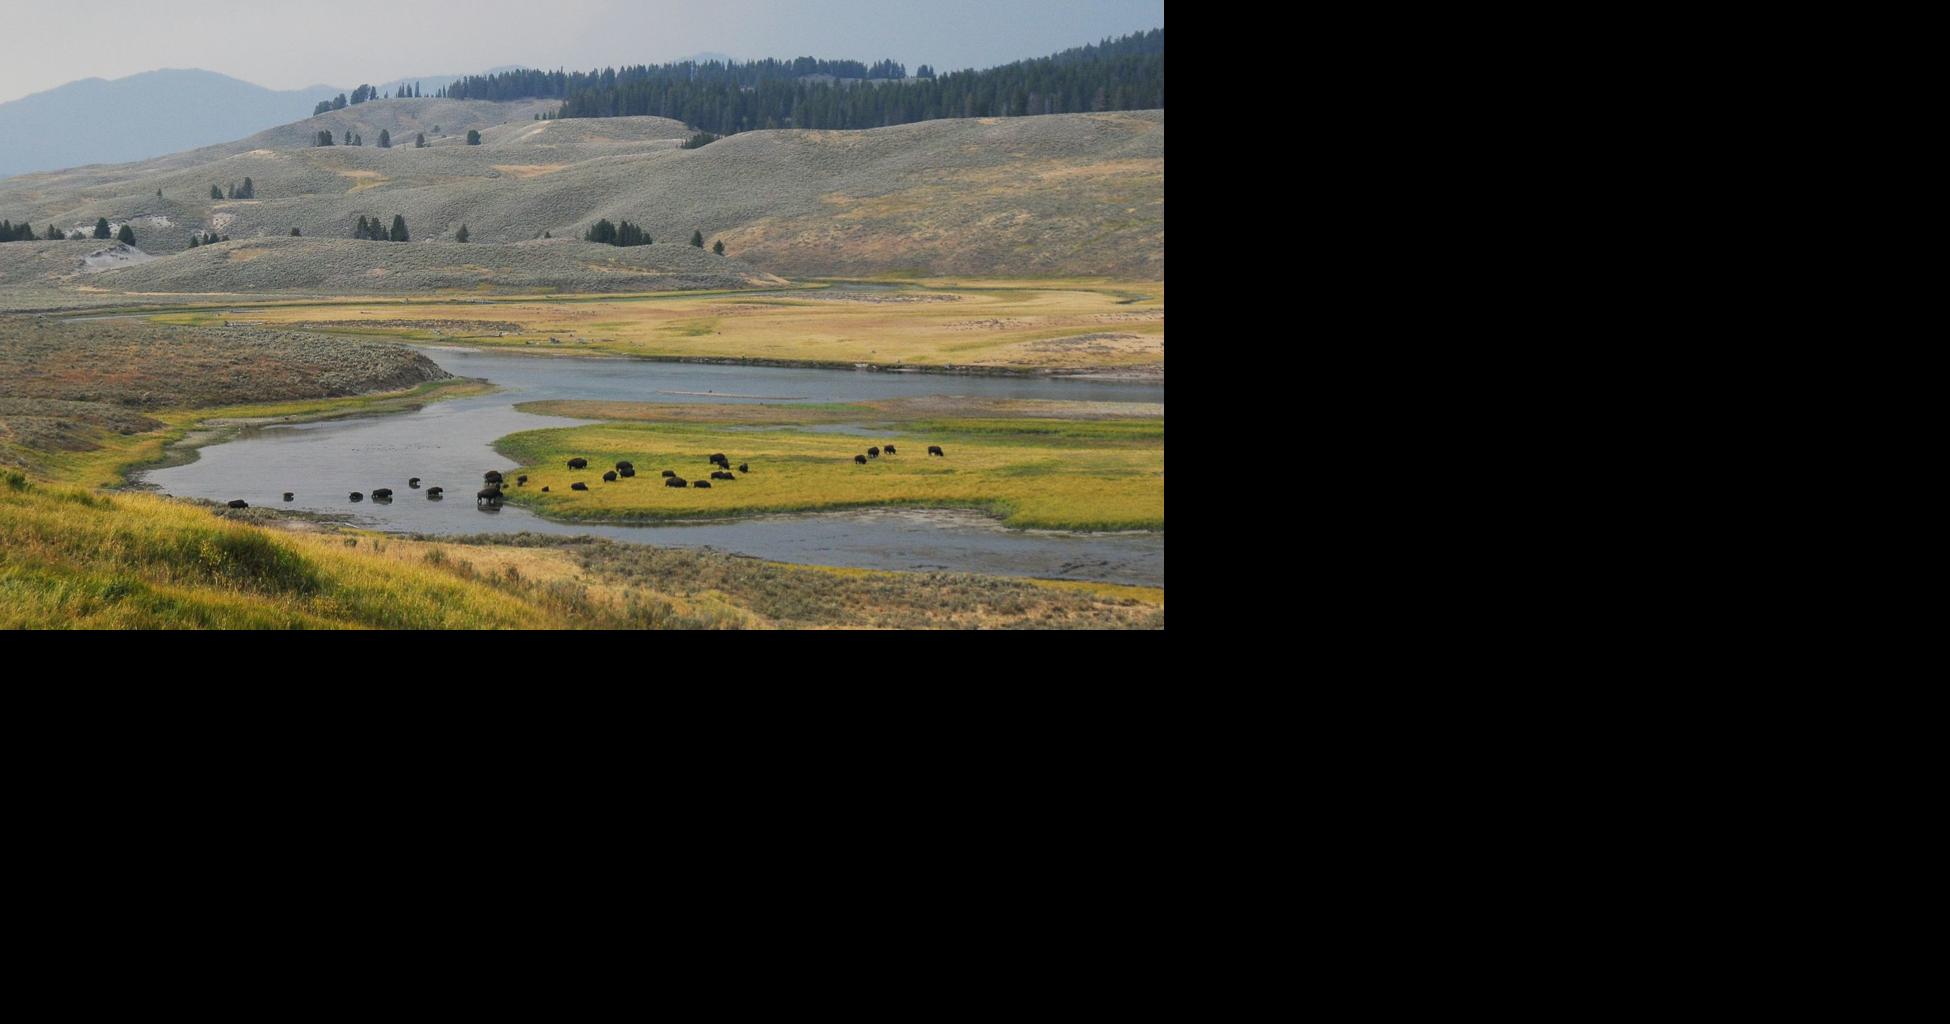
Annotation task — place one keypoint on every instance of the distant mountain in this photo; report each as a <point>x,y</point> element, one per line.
<point>97,121</point>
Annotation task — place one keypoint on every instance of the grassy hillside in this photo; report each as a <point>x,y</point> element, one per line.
<point>1067,194</point>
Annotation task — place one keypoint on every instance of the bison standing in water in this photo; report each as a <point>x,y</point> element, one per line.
<point>434,493</point>
<point>287,495</point>
<point>488,495</point>
<point>492,476</point>
<point>383,494</point>
<point>578,463</point>
<point>413,482</point>
<point>355,496</point>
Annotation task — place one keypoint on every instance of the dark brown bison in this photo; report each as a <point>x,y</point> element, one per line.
<point>383,494</point>
<point>722,475</point>
<point>492,476</point>
<point>744,467</point>
<point>668,474</point>
<point>355,496</point>
<point>609,477</point>
<point>434,493</point>
<point>491,495</point>
<point>861,459</point>
<point>701,483</point>
<point>676,481</point>
<point>287,495</point>
<point>578,486</point>
<point>578,463</point>
<point>545,489</point>
<point>239,503</point>
<point>890,449</point>
<point>626,472</point>
<point>521,481</point>
<point>873,453</point>
<point>621,466</point>
<point>935,449</point>
<point>413,482</point>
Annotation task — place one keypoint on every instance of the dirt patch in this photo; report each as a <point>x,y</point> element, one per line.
<point>529,170</point>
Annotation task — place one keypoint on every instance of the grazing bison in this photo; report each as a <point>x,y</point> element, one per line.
<point>621,466</point>
<point>355,496</point>
<point>744,467</point>
<point>383,494</point>
<point>578,486</point>
<point>719,457</point>
<point>873,453</point>
<point>701,483</point>
<point>722,475</point>
<point>287,495</point>
<point>609,477</point>
<point>492,476</point>
<point>239,503</point>
<point>434,493</point>
<point>413,482</point>
<point>890,449</point>
<point>578,463</point>
<point>676,481</point>
<point>861,459</point>
<point>521,481</point>
<point>935,449</point>
<point>544,489</point>
<point>668,474</point>
<point>626,472</point>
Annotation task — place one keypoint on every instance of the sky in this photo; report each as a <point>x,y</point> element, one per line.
<point>291,44</point>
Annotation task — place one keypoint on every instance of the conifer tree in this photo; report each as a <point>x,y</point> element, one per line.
<point>461,235</point>
<point>194,242</point>
<point>54,234</point>
<point>249,191</point>
<point>718,247</point>
<point>420,140</point>
<point>697,239</point>
<point>398,234</point>
<point>385,139</point>
<point>215,192</point>
<point>126,236</point>
<point>473,137</point>
<point>101,227</point>
<point>362,231</point>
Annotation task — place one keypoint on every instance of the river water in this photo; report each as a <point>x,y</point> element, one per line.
<point>450,443</point>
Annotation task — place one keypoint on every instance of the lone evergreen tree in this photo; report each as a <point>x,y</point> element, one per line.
<point>126,236</point>
<point>718,247</point>
<point>420,140</point>
<point>294,233</point>
<point>385,139</point>
<point>215,192</point>
<point>248,191</point>
<point>461,235</point>
<point>398,234</point>
<point>473,137</point>
<point>362,231</point>
<point>697,239</point>
<point>101,227</point>
<point>194,242</point>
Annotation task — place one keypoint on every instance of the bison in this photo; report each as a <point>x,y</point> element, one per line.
<point>239,503</point>
<point>935,449</point>
<point>578,486</point>
<point>413,482</point>
<point>873,453</point>
<point>621,466</point>
<point>521,481</point>
<point>383,494</point>
<point>287,495</point>
<point>355,496</point>
<point>492,476</point>
<point>676,481</point>
<point>434,493</point>
<point>722,475</point>
<point>491,495</point>
<point>578,463</point>
<point>744,467</point>
<point>626,472</point>
<point>668,474</point>
<point>609,477</point>
<point>544,489</point>
<point>719,457</point>
<point>701,483</point>
<point>890,449</point>
<point>861,459</point>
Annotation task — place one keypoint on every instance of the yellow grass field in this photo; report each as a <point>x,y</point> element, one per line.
<point>1005,325</point>
<point>1035,473</point>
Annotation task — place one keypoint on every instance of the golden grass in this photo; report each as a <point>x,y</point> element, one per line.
<point>1012,325</point>
<point>1049,474</point>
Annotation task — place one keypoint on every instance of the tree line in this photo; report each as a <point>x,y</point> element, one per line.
<point>1126,73</point>
<point>11,232</point>
<point>362,94</point>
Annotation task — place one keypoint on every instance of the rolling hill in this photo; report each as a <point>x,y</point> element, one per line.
<point>1055,195</point>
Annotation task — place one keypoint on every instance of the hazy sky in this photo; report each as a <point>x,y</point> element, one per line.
<point>289,44</point>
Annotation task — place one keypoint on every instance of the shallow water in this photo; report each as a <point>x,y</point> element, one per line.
<point>449,444</point>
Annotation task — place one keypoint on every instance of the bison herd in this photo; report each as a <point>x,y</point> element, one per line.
<point>491,494</point>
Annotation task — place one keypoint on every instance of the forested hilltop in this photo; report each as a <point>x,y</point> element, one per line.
<point>725,98</point>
